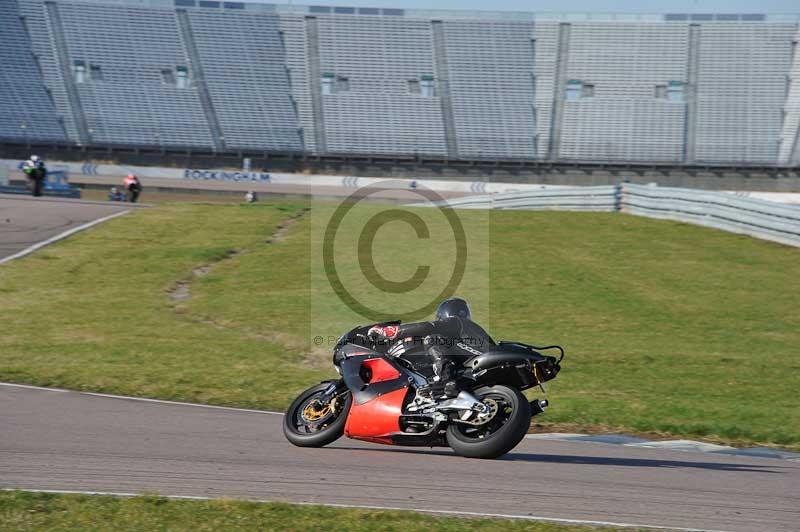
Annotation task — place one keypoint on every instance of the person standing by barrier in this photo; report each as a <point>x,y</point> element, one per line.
<point>133,187</point>
<point>36,172</point>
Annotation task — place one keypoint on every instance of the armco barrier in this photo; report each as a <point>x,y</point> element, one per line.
<point>758,218</point>
<point>604,199</point>
<point>729,212</point>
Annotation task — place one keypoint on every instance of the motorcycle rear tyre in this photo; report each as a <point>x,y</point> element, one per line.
<point>505,438</point>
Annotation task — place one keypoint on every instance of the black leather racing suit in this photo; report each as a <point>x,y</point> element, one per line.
<point>448,343</point>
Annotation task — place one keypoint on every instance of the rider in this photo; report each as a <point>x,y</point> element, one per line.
<point>451,338</point>
<point>133,187</point>
<point>36,172</point>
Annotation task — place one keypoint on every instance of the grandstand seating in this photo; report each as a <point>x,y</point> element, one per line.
<point>131,101</point>
<point>741,90</point>
<point>790,132</point>
<point>229,75</point>
<point>247,79</point>
<point>26,110</point>
<point>39,29</point>
<point>624,120</point>
<point>491,82</point>
<point>292,28</point>
<point>377,113</point>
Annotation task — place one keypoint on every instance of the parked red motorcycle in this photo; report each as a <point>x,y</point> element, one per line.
<point>378,399</point>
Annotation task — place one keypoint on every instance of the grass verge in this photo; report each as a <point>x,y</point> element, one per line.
<point>26,511</point>
<point>94,312</point>
<point>669,328</point>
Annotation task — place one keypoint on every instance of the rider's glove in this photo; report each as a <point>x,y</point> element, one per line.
<point>382,334</point>
<point>383,331</point>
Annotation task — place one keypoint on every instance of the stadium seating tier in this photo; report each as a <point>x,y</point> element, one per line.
<point>370,81</point>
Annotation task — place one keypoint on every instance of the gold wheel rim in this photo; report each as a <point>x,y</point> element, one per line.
<point>310,413</point>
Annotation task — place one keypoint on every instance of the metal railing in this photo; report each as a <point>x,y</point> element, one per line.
<point>754,217</point>
<point>758,218</point>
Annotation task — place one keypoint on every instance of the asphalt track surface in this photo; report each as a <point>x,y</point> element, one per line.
<point>25,221</point>
<point>59,440</point>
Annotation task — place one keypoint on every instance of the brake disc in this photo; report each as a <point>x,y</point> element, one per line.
<point>311,413</point>
<point>481,417</point>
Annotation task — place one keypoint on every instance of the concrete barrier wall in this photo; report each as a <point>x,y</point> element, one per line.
<point>241,176</point>
<point>772,216</point>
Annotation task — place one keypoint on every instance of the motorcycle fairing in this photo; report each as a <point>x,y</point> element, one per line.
<point>379,370</point>
<point>379,388</point>
<point>345,351</point>
<point>378,404</point>
<point>378,419</point>
<point>352,369</point>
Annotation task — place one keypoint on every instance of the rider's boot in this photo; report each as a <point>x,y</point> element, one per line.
<point>440,389</point>
<point>443,384</point>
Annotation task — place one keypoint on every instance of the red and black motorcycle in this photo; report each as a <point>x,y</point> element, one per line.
<point>381,399</point>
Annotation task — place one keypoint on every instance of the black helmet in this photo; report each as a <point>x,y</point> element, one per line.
<point>455,307</point>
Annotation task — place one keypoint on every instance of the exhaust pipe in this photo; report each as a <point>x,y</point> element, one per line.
<point>538,406</point>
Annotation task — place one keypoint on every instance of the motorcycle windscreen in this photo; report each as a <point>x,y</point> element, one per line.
<point>376,419</point>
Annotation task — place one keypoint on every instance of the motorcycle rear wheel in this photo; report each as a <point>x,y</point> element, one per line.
<point>498,435</point>
<point>309,425</point>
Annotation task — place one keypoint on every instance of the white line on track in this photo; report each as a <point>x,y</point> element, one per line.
<point>389,508</point>
<point>142,399</point>
<point>60,236</point>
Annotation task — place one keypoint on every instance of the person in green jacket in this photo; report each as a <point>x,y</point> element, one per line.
<point>36,172</point>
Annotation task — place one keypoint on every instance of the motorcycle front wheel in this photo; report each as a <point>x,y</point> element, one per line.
<point>310,424</point>
<point>508,424</point>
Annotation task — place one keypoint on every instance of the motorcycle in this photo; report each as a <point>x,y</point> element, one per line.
<point>378,399</point>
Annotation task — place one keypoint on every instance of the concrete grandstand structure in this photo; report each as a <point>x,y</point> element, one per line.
<point>227,76</point>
